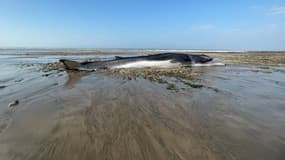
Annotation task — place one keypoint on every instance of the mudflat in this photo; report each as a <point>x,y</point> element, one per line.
<point>231,112</point>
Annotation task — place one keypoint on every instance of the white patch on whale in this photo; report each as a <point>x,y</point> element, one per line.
<point>143,64</point>
<point>165,64</point>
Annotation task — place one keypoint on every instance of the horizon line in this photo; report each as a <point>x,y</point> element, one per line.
<point>133,48</point>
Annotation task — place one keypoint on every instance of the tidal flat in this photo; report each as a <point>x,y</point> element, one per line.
<point>227,112</point>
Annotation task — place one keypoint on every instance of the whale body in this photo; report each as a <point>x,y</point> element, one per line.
<point>162,60</point>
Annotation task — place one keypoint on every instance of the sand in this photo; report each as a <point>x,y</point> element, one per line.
<point>231,112</point>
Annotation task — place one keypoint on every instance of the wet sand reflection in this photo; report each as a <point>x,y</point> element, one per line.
<point>99,116</point>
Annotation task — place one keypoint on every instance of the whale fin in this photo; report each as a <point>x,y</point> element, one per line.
<point>118,57</point>
<point>72,65</point>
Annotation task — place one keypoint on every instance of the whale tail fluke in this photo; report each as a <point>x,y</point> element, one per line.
<point>71,65</point>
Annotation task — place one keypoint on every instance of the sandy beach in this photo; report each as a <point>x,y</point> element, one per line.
<point>228,112</point>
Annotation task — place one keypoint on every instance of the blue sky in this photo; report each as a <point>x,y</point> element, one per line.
<point>173,24</point>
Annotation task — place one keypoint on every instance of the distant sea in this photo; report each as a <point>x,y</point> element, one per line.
<point>31,51</point>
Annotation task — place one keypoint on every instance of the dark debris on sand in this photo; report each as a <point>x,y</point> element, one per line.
<point>253,58</point>
<point>169,76</point>
<point>175,79</point>
<point>47,69</point>
<point>57,66</point>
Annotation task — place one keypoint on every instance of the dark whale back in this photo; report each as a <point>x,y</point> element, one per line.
<point>180,58</point>
<point>174,57</point>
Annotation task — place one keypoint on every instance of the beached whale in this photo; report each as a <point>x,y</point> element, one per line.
<point>163,60</point>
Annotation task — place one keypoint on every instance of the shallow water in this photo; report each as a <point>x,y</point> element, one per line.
<point>239,114</point>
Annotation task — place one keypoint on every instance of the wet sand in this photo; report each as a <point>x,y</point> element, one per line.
<point>231,112</point>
